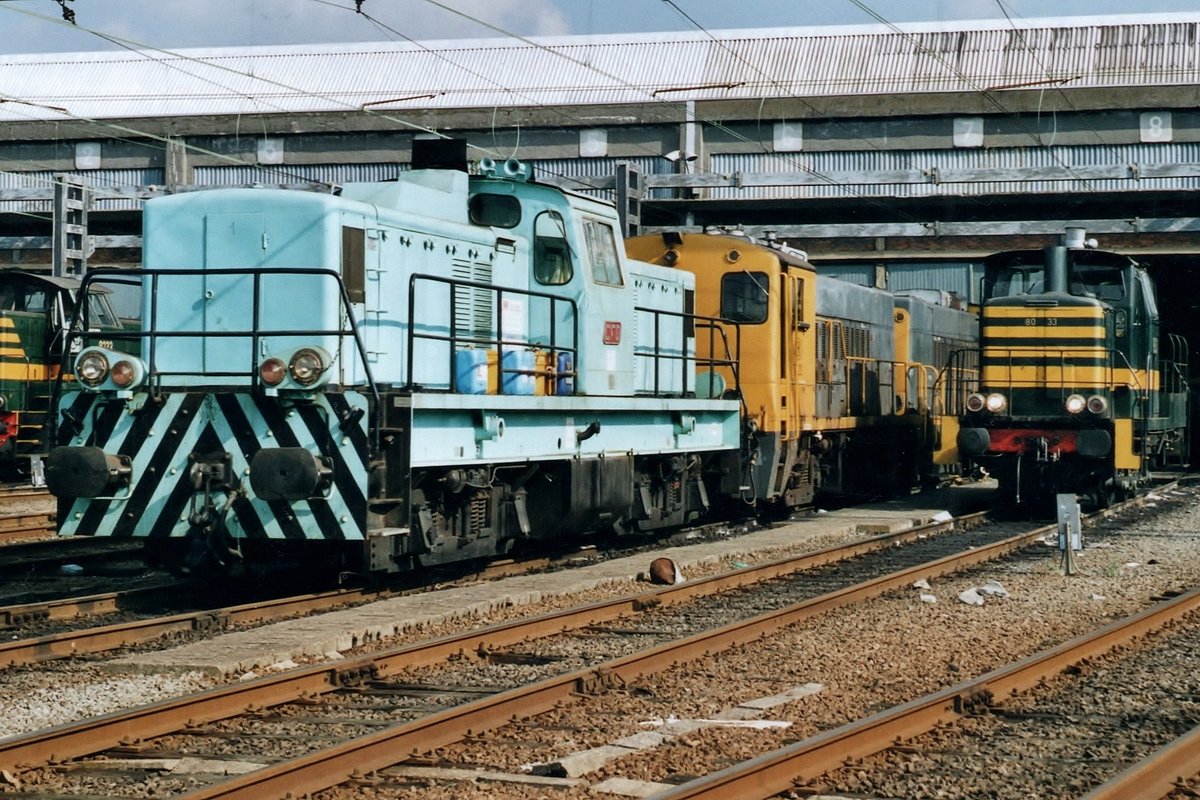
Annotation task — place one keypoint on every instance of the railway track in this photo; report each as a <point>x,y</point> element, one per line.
<point>805,761</point>
<point>22,491</point>
<point>446,704</point>
<point>375,675</point>
<point>23,527</point>
<point>1172,771</point>
<point>99,639</point>
<point>60,633</point>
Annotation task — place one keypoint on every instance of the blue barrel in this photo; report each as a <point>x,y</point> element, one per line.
<point>565,385</point>
<point>518,368</point>
<point>471,371</point>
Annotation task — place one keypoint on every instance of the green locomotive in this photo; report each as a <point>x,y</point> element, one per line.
<point>35,312</point>
<point>1079,391</point>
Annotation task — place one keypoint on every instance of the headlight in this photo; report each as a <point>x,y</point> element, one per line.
<point>996,402</point>
<point>272,371</point>
<point>1097,404</point>
<point>91,368</point>
<point>306,367</point>
<point>975,402</point>
<point>1075,404</point>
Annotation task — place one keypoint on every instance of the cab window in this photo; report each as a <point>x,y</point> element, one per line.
<point>495,210</point>
<point>744,297</point>
<point>1103,283</point>
<point>36,300</point>
<point>354,263</point>
<point>1007,282</point>
<point>100,312</point>
<point>551,254</point>
<point>602,250</point>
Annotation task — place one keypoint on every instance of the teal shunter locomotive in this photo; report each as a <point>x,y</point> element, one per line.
<point>442,367</point>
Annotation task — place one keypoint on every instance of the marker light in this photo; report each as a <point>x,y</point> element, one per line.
<point>1097,404</point>
<point>272,371</point>
<point>123,374</point>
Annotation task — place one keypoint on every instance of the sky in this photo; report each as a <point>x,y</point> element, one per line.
<point>37,26</point>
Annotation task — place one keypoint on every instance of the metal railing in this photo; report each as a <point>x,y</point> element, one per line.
<point>718,341</point>
<point>455,339</point>
<point>151,333</point>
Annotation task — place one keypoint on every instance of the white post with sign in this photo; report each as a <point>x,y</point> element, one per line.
<point>1070,531</point>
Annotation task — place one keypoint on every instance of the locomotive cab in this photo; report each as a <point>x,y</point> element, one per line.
<point>35,313</point>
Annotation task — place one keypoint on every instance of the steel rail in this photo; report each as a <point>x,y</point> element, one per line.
<point>781,769</point>
<point>1158,775</point>
<point>68,608</point>
<point>121,634</point>
<point>109,637</point>
<point>332,766</point>
<point>86,605</point>
<point>87,736</point>
<point>23,527</point>
<point>23,492</point>
<point>43,552</point>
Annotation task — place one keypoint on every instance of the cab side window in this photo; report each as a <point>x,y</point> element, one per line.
<point>354,263</point>
<point>602,250</point>
<point>35,300</point>
<point>551,253</point>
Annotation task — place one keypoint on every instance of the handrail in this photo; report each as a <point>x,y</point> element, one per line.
<point>715,327</point>
<point>150,330</point>
<point>498,340</point>
<point>959,379</point>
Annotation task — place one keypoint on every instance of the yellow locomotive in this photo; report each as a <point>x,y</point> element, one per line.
<point>844,386</point>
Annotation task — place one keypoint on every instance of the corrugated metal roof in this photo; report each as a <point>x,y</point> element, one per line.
<point>1133,50</point>
<point>98,179</point>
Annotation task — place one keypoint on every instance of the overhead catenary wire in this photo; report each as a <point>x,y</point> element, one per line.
<point>1057,83</point>
<point>139,47</point>
<point>983,92</point>
<point>263,97</point>
<point>653,95</point>
<point>148,51</point>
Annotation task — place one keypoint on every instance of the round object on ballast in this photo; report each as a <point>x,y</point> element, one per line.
<point>665,571</point>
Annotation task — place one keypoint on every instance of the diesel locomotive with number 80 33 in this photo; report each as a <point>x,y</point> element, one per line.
<point>1080,392</point>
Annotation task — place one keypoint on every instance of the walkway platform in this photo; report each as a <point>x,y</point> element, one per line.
<point>328,635</point>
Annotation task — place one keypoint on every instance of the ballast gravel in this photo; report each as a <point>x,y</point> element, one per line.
<point>867,658</point>
<point>40,697</point>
